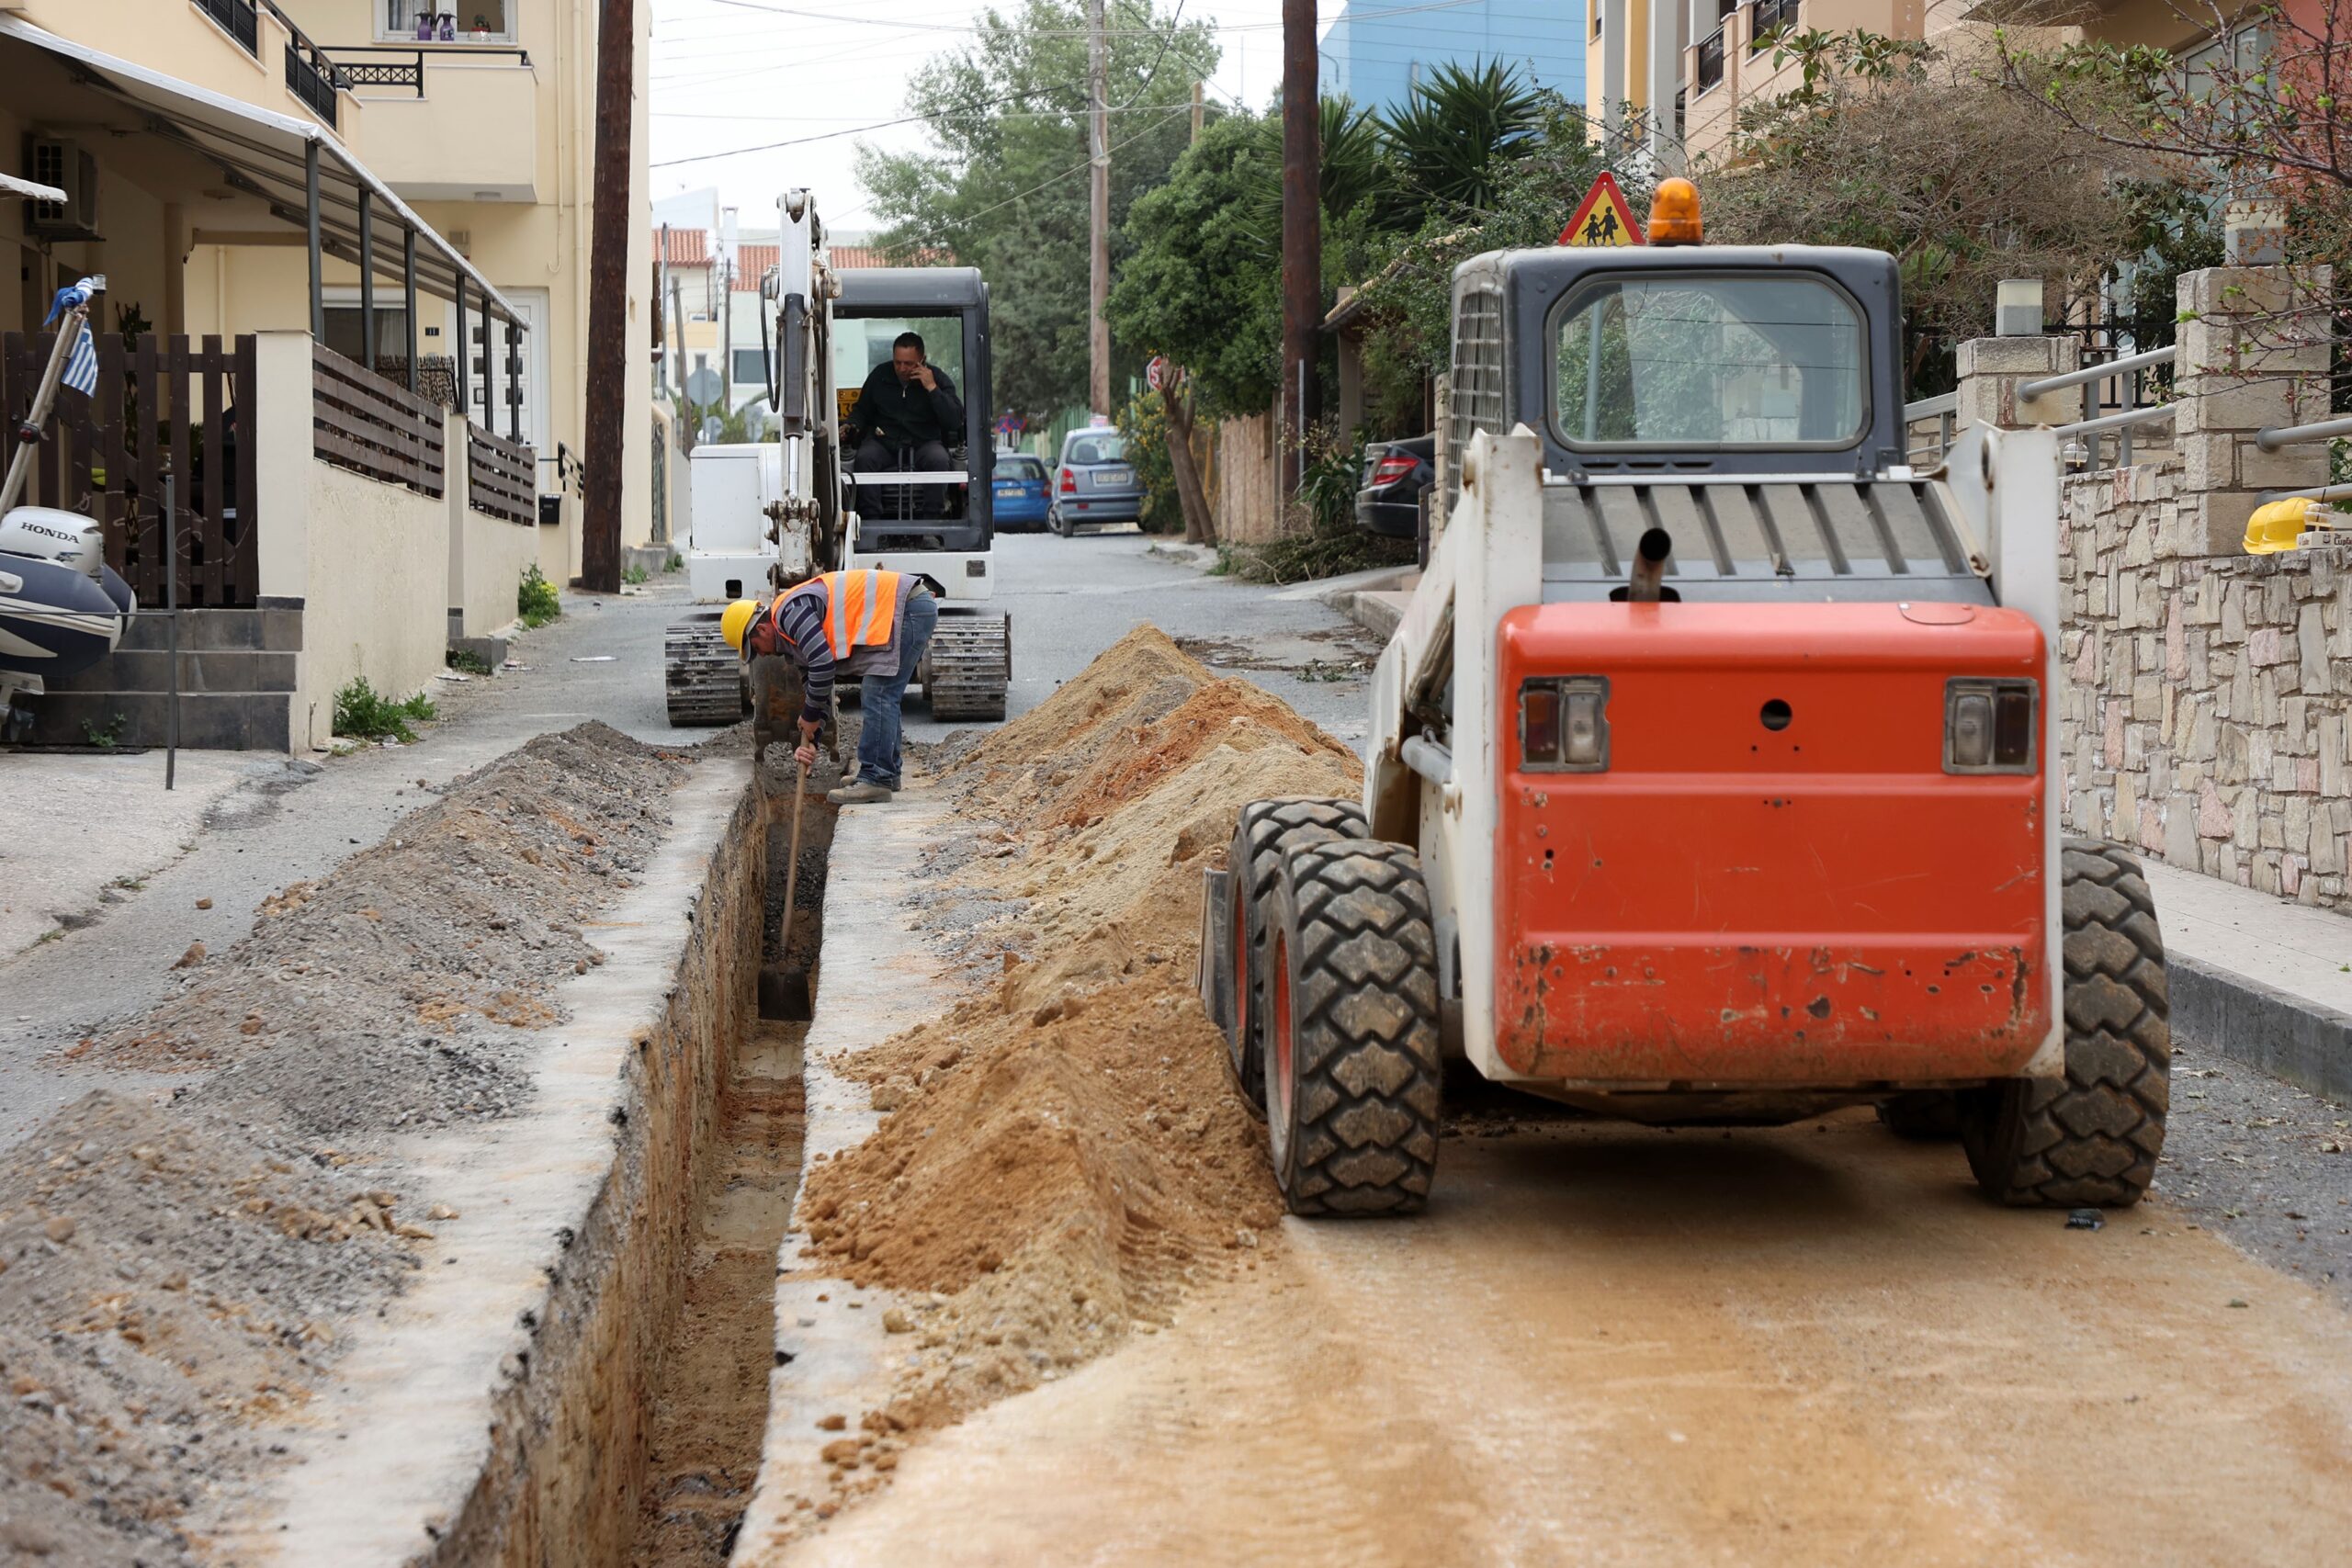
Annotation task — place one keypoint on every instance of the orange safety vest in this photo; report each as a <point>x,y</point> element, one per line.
<point>861,608</point>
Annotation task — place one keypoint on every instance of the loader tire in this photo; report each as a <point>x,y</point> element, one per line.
<point>1352,1074</point>
<point>1254,862</point>
<point>1923,1116</point>
<point>2091,1137</point>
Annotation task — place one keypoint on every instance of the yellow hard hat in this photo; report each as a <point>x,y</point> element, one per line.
<point>736,620</point>
<point>2279,526</point>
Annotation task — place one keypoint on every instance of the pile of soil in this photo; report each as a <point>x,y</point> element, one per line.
<point>389,994</point>
<point>1064,1155</point>
<point>175,1277</point>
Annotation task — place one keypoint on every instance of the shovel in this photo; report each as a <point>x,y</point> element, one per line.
<point>784,993</point>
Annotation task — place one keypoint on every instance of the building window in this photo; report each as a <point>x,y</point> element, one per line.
<point>343,336</point>
<point>447,21</point>
<point>751,368</point>
<point>1711,60</point>
<point>1771,17</point>
<point>1596,5</point>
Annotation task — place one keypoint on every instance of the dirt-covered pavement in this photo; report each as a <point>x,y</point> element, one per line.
<point>1601,1342</point>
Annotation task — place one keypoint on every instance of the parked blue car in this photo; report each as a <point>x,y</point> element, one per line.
<point>1022,493</point>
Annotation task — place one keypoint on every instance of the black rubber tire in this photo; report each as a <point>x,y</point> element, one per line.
<point>1925,1116</point>
<point>1265,829</point>
<point>2091,1137</point>
<point>1352,1126</point>
<point>1054,521</point>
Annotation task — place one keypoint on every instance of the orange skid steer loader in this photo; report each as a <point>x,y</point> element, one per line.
<point>1711,776</point>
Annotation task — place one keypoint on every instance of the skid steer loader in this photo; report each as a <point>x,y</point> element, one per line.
<point>1710,773</point>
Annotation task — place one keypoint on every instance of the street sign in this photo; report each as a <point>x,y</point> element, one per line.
<point>1602,218</point>
<point>711,429</point>
<point>1155,372</point>
<point>704,385</point>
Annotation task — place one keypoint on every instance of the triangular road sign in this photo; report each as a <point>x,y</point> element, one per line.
<point>1602,218</point>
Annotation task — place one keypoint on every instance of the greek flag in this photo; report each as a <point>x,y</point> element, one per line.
<point>82,365</point>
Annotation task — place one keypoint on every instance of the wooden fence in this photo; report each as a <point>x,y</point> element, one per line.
<point>362,421</point>
<point>501,477</point>
<point>161,407</point>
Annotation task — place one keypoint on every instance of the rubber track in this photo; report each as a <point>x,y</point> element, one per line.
<point>1266,828</point>
<point>2093,1136</point>
<point>702,677</point>
<point>971,667</point>
<point>1364,1029</point>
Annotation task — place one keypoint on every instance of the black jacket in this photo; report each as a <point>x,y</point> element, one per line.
<point>903,414</point>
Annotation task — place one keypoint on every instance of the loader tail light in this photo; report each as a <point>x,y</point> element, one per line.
<point>1564,723</point>
<point>1991,727</point>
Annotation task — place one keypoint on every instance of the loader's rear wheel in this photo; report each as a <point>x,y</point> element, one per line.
<point>1927,1115</point>
<point>1352,1033</point>
<point>2091,1137</point>
<point>1253,866</point>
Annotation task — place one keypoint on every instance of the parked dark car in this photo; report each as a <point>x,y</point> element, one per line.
<point>1094,483</point>
<point>1395,474</point>
<point>1024,493</point>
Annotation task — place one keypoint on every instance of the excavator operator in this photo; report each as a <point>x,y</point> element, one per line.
<point>907,406</point>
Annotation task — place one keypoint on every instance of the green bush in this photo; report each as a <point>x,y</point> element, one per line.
<point>466,661</point>
<point>633,575</point>
<point>1144,421</point>
<point>536,599</point>
<point>363,713</point>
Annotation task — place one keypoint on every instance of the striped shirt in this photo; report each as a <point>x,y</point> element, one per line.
<point>801,618</point>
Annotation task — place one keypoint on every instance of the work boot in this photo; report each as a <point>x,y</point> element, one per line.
<point>864,792</point>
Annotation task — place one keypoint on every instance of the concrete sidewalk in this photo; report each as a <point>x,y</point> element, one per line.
<point>2259,979</point>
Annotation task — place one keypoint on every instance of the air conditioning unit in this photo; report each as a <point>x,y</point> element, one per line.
<point>53,161</point>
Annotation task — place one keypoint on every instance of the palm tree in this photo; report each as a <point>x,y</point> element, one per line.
<point>1447,145</point>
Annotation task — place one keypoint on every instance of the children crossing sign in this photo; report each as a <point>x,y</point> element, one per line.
<point>1602,218</point>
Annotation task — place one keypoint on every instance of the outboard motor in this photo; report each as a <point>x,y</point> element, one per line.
<point>61,607</point>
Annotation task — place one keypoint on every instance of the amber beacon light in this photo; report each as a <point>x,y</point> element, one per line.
<point>1674,213</point>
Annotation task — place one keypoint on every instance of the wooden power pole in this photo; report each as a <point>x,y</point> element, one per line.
<point>1302,232</point>
<point>1196,112</point>
<point>608,365</point>
<point>1098,278</point>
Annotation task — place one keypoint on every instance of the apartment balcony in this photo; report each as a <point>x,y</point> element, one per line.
<point>450,121</point>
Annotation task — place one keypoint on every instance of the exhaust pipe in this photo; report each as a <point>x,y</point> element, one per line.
<point>1647,584</point>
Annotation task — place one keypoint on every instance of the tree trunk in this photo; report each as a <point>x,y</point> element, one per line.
<point>1200,525</point>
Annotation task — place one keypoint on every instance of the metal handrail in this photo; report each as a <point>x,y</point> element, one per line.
<point>2324,493</point>
<point>2149,415</point>
<point>2271,437</point>
<point>1928,408</point>
<point>2098,372</point>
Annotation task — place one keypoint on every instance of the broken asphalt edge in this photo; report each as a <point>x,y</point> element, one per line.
<point>2303,1042</point>
<point>876,977</point>
<point>500,1398</point>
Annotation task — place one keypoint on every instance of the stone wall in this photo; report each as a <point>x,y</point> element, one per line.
<point>2209,703</point>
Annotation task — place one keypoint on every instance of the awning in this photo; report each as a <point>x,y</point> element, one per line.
<point>189,138</point>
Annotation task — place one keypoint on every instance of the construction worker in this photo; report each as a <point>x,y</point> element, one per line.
<point>871,624</point>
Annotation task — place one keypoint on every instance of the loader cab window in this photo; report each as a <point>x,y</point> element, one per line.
<point>1686,360</point>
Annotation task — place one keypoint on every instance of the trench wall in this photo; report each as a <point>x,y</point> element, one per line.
<point>567,1451</point>
<point>2208,703</point>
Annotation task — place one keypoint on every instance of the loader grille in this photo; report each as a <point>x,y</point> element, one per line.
<point>1832,540</point>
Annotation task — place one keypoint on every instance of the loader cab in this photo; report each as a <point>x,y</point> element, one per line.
<point>1703,359</point>
<point>948,307</point>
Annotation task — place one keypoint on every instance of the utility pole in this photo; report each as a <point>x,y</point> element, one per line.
<point>1196,112</point>
<point>608,367</point>
<point>687,435</point>
<point>1302,232</point>
<point>1098,280</point>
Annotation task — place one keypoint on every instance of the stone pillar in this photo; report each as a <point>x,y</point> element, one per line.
<point>1992,368</point>
<point>2254,354</point>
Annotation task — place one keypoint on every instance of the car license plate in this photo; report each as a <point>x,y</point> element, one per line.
<point>1113,478</point>
<point>1008,490</point>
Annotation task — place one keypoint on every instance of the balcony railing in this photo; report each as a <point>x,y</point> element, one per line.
<point>1770,17</point>
<point>239,18</point>
<point>310,75</point>
<point>403,65</point>
<point>1711,60</point>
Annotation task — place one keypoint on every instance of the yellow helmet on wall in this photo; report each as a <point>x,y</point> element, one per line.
<point>736,620</point>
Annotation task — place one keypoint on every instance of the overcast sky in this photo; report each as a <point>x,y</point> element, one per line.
<point>736,74</point>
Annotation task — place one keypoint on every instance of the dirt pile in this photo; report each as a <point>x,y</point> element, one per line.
<point>175,1277</point>
<point>385,994</point>
<point>1063,1155</point>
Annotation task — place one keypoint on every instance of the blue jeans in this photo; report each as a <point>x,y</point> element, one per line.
<point>878,740</point>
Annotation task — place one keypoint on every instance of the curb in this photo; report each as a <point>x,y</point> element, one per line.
<point>2306,1043</point>
<point>1376,613</point>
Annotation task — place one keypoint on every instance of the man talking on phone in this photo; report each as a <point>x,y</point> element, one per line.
<point>907,412</point>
